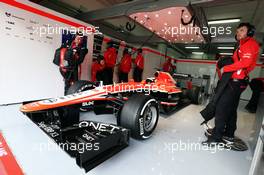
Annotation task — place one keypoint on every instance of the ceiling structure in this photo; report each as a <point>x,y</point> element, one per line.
<point>166,23</point>
<point>113,16</point>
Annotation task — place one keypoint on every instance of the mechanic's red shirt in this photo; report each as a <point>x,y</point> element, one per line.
<point>125,64</point>
<point>248,53</point>
<point>139,61</point>
<point>110,56</point>
<point>96,67</point>
<point>167,66</point>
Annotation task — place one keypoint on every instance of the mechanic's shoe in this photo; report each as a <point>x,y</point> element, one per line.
<point>235,143</point>
<point>228,140</point>
<point>211,142</point>
<point>208,132</point>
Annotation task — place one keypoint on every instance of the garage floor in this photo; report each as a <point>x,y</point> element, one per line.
<point>170,151</point>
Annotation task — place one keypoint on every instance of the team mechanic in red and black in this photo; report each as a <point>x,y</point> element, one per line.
<point>245,58</point>
<point>110,57</point>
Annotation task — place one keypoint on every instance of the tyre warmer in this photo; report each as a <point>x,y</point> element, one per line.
<point>8,163</point>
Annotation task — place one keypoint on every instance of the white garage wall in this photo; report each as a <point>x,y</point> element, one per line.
<point>26,69</point>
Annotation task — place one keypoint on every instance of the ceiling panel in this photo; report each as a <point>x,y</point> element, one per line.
<point>167,24</point>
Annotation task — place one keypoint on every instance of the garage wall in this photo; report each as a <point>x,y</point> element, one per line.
<point>26,69</point>
<point>152,61</point>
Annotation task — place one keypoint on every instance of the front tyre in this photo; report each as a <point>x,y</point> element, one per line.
<point>140,114</point>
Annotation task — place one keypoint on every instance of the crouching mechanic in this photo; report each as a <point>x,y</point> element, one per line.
<point>245,58</point>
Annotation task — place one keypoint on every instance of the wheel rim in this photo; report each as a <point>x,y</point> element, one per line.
<point>150,118</point>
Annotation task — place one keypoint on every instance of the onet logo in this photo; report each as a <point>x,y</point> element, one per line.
<point>7,14</point>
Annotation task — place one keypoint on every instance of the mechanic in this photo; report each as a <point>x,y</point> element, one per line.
<point>97,70</point>
<point>167,66</point>
<point>139,66</point>
<point>125,66</point>
<point>110,56</point>
<point>257,86</point>
<point>245,58</point>
<point>73,57</point>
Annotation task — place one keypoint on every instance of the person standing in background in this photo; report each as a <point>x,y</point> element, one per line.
<point>125,66</point>
<point>110,57</point>
<point>139,62</point>
<point>70,60</point>
<point>97,70</point>
<point>167,66</point>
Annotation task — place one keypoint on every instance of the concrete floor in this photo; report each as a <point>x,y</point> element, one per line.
<point>174,148</point>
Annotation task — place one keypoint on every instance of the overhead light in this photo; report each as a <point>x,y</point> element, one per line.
<point>165,24</point>
<point>224,21</point>
<point>157,15</point>
<point>169,12</point>
<point>145,16</point>
<point>223,53</point>
<point>192,47</point>
<point>226,48</point>
<point>198,53</point>
<point>262,54</point>
<point>182,39</point>
<point>141,21</point>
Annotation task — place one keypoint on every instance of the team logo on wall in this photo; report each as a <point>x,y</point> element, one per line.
<point>7,14</point>
<point>30,28</point>
<point>10,22</point>
<point>17,17</point>
<point>48,37</point>
<point>33,22</point>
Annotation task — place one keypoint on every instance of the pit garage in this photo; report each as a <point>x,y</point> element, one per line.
<point>131,87</point>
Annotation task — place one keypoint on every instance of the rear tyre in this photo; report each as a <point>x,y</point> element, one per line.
<point>140,114</point>
<point>196,95</point>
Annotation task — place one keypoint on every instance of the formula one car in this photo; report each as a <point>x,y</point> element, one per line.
<point>136,106</point>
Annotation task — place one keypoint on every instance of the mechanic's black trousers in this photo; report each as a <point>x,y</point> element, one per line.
<point>255,86</point>
<point>137,74</point>
<point>226,109</point>
<point>109,73</point>
<point>123,77</point>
